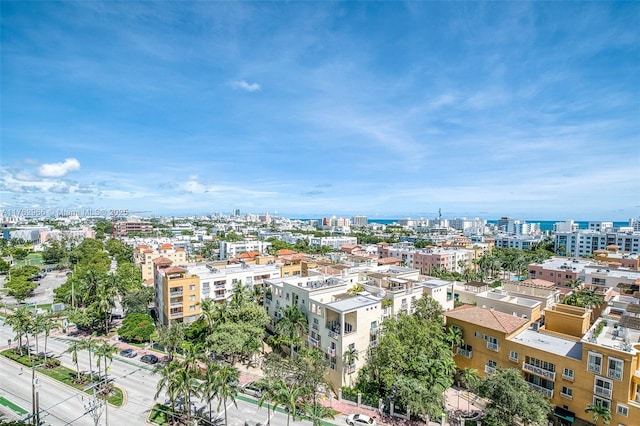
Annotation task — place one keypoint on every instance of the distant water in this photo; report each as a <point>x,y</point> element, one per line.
<point>545,225</point>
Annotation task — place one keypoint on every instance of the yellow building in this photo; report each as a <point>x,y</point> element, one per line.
<point>143,257</point>
<point>177,293</point>
<point>568,362</point>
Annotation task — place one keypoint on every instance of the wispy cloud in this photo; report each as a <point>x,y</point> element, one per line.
<point>245,85</point>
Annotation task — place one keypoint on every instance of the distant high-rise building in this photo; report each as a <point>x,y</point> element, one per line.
<point>359,220</point>
<point>236,212</point>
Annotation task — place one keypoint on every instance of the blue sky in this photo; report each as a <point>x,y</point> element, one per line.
<point>387,109</point>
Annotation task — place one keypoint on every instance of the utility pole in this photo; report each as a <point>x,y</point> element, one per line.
<point>35,403</point>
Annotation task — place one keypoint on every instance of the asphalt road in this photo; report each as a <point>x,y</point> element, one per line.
<point>64,405</point>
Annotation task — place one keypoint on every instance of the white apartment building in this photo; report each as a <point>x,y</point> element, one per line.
<point>333,242</point>
<point>217,281</point>
<point>232,249</point>
<point>566,226</point>
<point>522,242</point>
<point>584,242</point>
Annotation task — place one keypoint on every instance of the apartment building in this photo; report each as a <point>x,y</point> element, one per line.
<point>341,320</point>
<point>455,259</point>
<point>233,249</point>
<point>559,270</point>
<point>617,259</point>
<point>132,225</point>
<point>586,242</point>
<point>145,254</point>
<point>333,242</point>
<point>522,242</point>
<point>565,360</point>
<point>177,292</point>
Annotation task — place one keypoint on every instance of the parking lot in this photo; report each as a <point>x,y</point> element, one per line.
<point>43,293</point>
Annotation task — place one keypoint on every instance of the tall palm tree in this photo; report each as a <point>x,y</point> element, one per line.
<point>20,322</point>
<point>269,392</point>
<point>37,327</point>
<point>599,412</point>
<point>228,377</point>
<point>104,352</point>
<point>291,324</point>
<point>349,358</point>
<point>48,325</point>
<point>454,336</point>
<point>239,294</point>
<point>289,396</point>
<point>105,301</point>
<point>209,386</point>
<point>89,345</point>
<point>168,383</point>
<point>73,349</point>
<point>208,312</point>
<point>171,337</point>
<point>187,383</point>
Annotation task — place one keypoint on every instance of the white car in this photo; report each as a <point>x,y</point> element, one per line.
<point>360,420</point>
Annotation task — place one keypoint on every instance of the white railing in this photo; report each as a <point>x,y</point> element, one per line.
<point>314,326</point>
<point>513,358</point>
<point>566,395</point>
<point>333,334</point>
<point>175,293</point>
<point>544,391</point>
<point>602,391</point>
<point>176,303</point>
<point>489,369</point>
<point>176,314</point>
<point>539,371</point>
<point>567,377</point>
<point>594,368</point>
<point>492,346</point>
<point>465,353</point>
<point>351,368</point>
<point>331,351</point>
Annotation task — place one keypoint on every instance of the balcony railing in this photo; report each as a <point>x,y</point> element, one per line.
<point>544,391</point>
<point>331,351</point>
<point>594,368</point>
<point>314,326</point>
<point>179,303</point>
<point>334,335</point>
<point>489,369</point>
<point>568,377</point>
<point>313,342</point>
<point>602,391</point>
<point>513,358</point>
<point>566,395</point>
<point>351,368</point>
<point>176,314</point>
<point>175,293</point>
<point>539,371</point>
<point>492,346</point>
<point>465,353</point>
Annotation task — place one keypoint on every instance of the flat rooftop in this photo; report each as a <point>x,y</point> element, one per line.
<point>353,303</point>
<point>548,343</point>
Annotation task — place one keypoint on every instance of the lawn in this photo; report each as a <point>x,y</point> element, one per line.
<point>62,374</point>
<point>158,414</point>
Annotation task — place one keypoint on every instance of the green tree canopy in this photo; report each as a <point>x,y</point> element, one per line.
<point>137,328</point>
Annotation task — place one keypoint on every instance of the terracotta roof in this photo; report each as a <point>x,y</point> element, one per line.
<point>175,270</point>
<point>488,318</point>
<point>166,246</point>
<point>162,261</point>
<point>148,251</point>
<point>388,261</point>
<point>537,282</point>
<point>180,249</point>
<point>283,252</point>
<point>143,246</point>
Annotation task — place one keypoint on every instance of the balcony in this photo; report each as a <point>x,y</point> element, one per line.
<point>544,391</point>
<point>492,346</point>
<point>178,303</point>
<point>539,371</point>
<point>176,314</point>
<point>465,353</point>
<point>489,369</point>
<point>566,395</point>
<point>331,351</point>
<point>513,358</point>
<point>314,326</point>
<point>175,293</point>
<point>351,368</point>
<point>602,391</point>
<point>313,342</point>
<point>334,335</point>
<point>594,368</point>
<point>220,286</point>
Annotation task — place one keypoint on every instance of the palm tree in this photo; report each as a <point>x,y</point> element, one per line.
<point>37,327</point>
<point>349,358</point>
<point>48,325</point>
<point>89,344</point>
<point>454,336</point>
<point>168,382</point>
<point>105,302</point>
<point>104,351</point>
<point>228,389</point>
<point>209,386</point>
<point>599,412</point>
<point>74,348</point>
<point>171,337</point>
<point>20,321</point>
<point>208,312</point>
<point>291,324</point>
<point>239,294</point>
<point>288,396</point>
<point>269,392</point>
<point>317,412</point>
<point>187,383</point>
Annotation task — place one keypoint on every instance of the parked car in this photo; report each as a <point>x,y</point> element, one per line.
<point>164,360</point>
<point>128,353</point>
<point>253,389</point>
<point>149,359</point>
<point>360,420</point>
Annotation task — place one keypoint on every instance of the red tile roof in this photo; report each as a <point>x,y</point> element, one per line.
<point>162,261</point>
<point>389,261</point>
<point>487,318</point>
<point>283,252</point>
<point>537,282</point>
<point>166,246</point>
<point>175,270</point>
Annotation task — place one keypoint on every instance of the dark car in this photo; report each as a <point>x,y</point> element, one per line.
<point>128,353</point>
<point>149,359</point>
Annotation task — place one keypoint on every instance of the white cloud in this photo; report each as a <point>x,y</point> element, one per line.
<point>245,85</point>
<point>59,169</point>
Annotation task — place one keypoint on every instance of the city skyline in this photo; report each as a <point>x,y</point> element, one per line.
<point>390,110</point>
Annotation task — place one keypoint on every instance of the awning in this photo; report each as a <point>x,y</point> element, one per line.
<point>567,415</point>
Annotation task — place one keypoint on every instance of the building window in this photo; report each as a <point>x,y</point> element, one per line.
<point>603,387</point>
<point>192,308</point>
<point>513,356</point>
<point>604,403</point>
<point>622,410</point>
<point>568,374</point>
<point>594,362</point>
<point>192,287</point>
<point>615,368</point>
<point>567,392</point>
